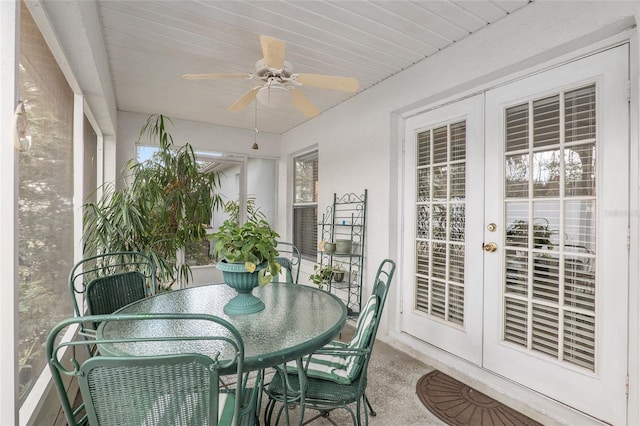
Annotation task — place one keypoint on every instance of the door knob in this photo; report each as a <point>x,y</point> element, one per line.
<point>490,247</point>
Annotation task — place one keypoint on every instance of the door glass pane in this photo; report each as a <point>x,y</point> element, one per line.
<point>440,222</point>
<point>516,175</point>
<point>580,169</point>
<point>546,121</point>
<point>546,173</point>
<point>517,127</point>
<point>424,183</point>
<point>580,114</point>
<point>550,223</point>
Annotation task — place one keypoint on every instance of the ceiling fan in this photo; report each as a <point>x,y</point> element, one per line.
<point>279,85</point>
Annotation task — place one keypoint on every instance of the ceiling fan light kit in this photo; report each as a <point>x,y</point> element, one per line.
<point>274,95</point>
<point>280,87</point>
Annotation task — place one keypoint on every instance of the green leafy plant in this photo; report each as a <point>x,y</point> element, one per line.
<point>167,205</point>
<point>322,275</point>
<point>253,243</point>
<point>232,207</point>
<point>338,267</point>
<point>338,272</point>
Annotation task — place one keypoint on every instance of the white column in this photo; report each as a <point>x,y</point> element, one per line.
<point>9,13</point>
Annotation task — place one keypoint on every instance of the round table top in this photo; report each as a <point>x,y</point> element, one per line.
<point>297,320</point>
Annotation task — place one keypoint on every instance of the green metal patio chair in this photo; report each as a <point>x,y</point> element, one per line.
<point>171,389</point>
<point>104,283</point>
<point>289,259</point>
<point>109,281</point>
<point>335,376</point>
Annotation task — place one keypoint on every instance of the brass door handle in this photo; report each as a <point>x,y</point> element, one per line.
<point>490,247</point>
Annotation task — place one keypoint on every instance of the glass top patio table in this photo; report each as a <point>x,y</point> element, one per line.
<point>297,320</point>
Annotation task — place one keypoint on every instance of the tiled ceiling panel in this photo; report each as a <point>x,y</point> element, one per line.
<point>151,44</point>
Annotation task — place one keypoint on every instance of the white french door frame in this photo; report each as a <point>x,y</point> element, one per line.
<point>602,392</point>
<point>624,175</point>
<point>461,340</point>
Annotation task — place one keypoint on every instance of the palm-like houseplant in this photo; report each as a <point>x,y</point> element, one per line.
<point>167,205</point>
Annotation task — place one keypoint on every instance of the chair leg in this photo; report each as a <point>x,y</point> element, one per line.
<point>373,413</point>
<point>364,406</point>
<point>257,393</point>
<point>268,411</point>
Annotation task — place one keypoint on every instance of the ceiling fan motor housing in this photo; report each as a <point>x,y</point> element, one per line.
<point>264,71</point>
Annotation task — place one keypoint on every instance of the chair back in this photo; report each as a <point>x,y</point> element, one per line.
<point>289,259</point>
<point>110,281</point>
<point>380,291</point>
<point>336,375</point>
<point>167,389</point>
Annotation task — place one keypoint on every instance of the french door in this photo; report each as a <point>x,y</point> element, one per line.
<point>444,219</point>
<point>516,231</point>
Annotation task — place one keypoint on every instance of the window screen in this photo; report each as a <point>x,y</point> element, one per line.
<point>46,201</point>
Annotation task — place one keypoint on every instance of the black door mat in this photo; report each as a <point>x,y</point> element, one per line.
<point>459,405</point>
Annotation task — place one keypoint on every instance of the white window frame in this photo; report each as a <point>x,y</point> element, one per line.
<point>302,155</point>
<point>9,11</point>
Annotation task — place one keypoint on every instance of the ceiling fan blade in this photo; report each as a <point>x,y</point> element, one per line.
<point>245,100</point>
<point>217,76</point>
<point>346,84</point>
<point>273,51</point>
<point>304,104</point>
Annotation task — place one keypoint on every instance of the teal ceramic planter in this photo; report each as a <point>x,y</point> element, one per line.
<point>243,282</point>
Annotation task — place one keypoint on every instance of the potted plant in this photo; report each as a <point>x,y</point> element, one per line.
<point>165,207</point>
<point>338,272</point>
<point>322,275</point>
<point>247,256</point>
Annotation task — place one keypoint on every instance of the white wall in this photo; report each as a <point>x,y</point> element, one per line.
<point>261,185</point>
<point>359,140</point>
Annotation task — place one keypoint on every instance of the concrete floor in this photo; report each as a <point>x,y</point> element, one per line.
<point>391,389</point>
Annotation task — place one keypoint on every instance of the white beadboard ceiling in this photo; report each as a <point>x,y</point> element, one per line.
<point>151,44</point>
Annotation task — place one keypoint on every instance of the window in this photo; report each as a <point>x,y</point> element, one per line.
<point>305,204</point>
<point>45,213</point>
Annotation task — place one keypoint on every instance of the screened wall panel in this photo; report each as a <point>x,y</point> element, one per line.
<point>45,208</point>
